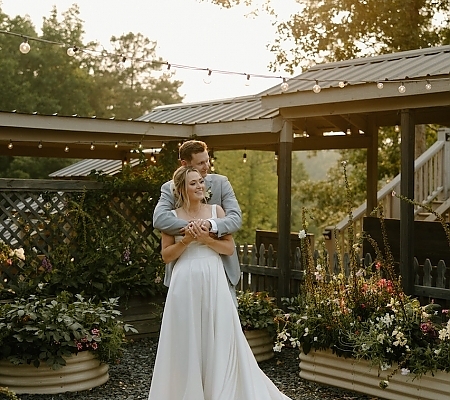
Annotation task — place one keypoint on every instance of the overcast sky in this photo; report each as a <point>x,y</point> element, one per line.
<point>188,32</point>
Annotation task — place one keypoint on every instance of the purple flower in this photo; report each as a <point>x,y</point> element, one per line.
<point>47,264</point>
<point>126,255</point>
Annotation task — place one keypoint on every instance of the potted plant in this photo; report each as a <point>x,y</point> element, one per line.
<point>58,338</point>
<point>257,313</point>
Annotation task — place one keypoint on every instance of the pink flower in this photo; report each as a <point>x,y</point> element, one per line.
<point>94,346</point>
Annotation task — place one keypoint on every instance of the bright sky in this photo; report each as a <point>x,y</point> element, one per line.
<point>188,32</point>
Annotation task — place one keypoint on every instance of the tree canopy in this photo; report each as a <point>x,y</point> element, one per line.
<point>48,81</point>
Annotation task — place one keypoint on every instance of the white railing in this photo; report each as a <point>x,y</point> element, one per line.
<point>432,182</point>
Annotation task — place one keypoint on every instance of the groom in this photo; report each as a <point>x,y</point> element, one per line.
<point>194,153</point>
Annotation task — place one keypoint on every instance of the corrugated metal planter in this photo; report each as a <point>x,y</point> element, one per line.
<point>82,371</point>
<point>261,344</point>
<point>359,376</point>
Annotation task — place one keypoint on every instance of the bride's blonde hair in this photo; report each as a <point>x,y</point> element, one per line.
<point>180,184</point>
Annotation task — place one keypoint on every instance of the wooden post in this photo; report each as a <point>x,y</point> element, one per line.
<point>284,208</point>
<point>407,209</point>
<point>372,168</point>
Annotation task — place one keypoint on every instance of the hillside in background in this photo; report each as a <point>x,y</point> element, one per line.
<point>317,163</point>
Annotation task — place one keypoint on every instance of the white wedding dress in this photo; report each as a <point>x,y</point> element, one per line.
<point>202,351</point>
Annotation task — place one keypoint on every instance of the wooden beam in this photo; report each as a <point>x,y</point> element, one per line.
<point>92,125</point>
<point>366,92</point>
<point>284,208</point>
<point>372,168</point>
<point>407,209</point>
<point>332,142</point>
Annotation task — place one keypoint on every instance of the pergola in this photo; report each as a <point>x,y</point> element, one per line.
<point>282,122</point>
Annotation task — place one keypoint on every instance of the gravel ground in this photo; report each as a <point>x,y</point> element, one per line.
<point>130,379</point>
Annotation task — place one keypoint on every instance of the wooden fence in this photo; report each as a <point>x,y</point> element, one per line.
<point>259,272</point>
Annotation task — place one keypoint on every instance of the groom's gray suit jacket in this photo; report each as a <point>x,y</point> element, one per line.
<point>221,193</point>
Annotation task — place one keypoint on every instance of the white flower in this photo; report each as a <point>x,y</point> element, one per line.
<point>315,338</point>
<point>208,194</point>
<point>405,371</point>
<point>385,367</point>
<point>20,254</point>
<point>278,347</point>
<point>306,331</point>
<point>302,234</point>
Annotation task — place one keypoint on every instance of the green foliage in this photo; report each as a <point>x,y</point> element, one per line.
<point>256,310</point>
<point>255,184</point>
<point>103,244</point>
<point>35,330</point>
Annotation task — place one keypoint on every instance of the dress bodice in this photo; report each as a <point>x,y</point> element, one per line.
<point>196,249</point>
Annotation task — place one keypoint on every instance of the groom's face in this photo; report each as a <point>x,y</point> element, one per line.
<point>200,161</point>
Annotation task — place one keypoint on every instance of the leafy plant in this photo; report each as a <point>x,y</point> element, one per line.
<point>256,310</point>
<point>35,329</point>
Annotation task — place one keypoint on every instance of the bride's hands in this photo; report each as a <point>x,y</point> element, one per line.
<point>197,230</point>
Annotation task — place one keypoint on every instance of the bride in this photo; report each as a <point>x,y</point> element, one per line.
<point>202,351</point>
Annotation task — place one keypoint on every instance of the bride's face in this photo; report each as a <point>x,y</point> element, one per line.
<point>195,186</point>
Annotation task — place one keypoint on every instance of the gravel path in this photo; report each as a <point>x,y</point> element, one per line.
<point>130,379</point>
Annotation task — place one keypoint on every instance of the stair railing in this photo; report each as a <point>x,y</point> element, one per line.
<point>432,180</point>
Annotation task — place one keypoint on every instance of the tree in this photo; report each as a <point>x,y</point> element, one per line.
<point>255,183</point>
<point>132,88</point>
<point>48,81</point>
<point>333,30</point>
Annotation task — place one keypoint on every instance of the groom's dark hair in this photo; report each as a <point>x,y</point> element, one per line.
<point>190,147</point>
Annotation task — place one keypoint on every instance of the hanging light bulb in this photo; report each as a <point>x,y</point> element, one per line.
<point>428,85</point>
<point>140,145</point>
<point>247,80</point>
<point>284,86</point>
<point>66,149</point>
<point>402,88</point>
<point>71,51</point>
<point>276,156</point>
<point>349,131</point>
<point>244,157</point>
<point>380,85</point>
<point>116,145</point>
<point>207,80</point>
<point>342,84</point>
<point>152,157</point>
<point>316,87</point>
<point>397,128</point>
<point>25,47</point>
<point>10,145</point>
<point>92,146</point>
<point>121,64</point>
<point>40,145</point>
<point>124,161</point>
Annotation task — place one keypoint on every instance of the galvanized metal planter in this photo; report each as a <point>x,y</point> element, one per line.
<point>261,344</point>
<point>83,371</point>
<point>359,376</point>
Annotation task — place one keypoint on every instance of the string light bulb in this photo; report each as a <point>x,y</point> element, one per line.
<point>116,145</point>
<point>66,149</point>
<point>276,156</point>
<point>40,145</point>
<point>349,131</point>
<point>402,88</point>
<point>397,128</point>
<point>10,145</point>
<point>284,86</point>
<point>380,85</point>
<point>121,63</point>
<point>71,51</point>
<point>316,87</point>
<point>247,80</point>
<point>342,84</point>
<point>152,157</point>
<point>244,157</point>
<point>140,145</point>
<point>25,47</point>
<point>207,80</point>
<point>428,85</point>
<point>92,146</point>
